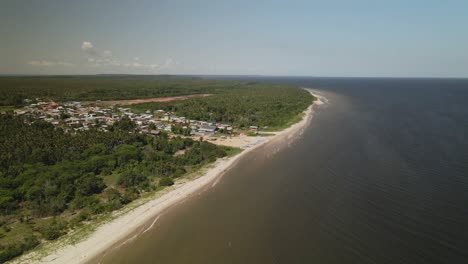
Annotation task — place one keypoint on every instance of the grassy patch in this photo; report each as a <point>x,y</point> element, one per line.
<point>6,108</point>
<point>260,134</point>
<point>232,151</point>
<point>111,179</point>
<point>14,233</point>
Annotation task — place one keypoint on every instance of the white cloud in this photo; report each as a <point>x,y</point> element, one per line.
<point>86,45</point>
<point>169,64</point>
<point>97,57</point>
<point>138,65</point>
<point>45,63</point>
<point>105,58</point>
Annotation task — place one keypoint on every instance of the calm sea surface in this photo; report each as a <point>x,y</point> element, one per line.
<point>380,176</point>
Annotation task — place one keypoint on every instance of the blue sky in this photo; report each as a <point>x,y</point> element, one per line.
<point>310,38</point>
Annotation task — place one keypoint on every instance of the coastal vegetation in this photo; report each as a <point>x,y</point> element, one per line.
<point>13,90</point>
<point>234,102</point>
<point>53,181</point>
<point>271,107</point>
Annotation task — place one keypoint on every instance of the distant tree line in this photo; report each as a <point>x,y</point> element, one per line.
<point>242,106</point>
<point>13,90</point>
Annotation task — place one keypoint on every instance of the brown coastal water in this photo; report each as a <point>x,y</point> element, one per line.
<point>379,176</point>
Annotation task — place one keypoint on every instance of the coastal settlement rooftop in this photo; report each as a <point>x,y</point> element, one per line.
<point>78,116</point>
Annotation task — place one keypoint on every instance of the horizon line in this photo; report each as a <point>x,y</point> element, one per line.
<point>236,75</point>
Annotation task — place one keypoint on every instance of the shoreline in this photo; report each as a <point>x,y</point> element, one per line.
<point>136,221</point>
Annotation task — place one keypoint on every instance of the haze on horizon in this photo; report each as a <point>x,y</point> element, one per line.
<point>312,38</point>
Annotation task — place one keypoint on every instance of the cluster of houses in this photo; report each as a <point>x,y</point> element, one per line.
<point>77,116</point>
<point>71,115</point>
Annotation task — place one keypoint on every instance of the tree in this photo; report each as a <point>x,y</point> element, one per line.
<point>53,229</point>
<point>130,195</point>
<point>89,184</point>
<point>114,199</point>
<point>131,176</point>
<point>64,116</point>
<point>125,153</point>
<point>166,181</point>
<point>124,124</point>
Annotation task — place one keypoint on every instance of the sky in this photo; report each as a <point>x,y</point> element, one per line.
<point>359,38</point>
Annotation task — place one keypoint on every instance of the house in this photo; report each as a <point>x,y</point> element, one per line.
<point>225,128</point>
<point>166,117</point>
<point>253,128</point>
<point>52,105</point>
<point>20,112</point>
<point>207,129</point>
<point>155,132</point>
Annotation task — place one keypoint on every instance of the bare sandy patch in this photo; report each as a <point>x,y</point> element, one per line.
<point>152,100</point>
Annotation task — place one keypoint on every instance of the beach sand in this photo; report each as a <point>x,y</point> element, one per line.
<point>128,226</point>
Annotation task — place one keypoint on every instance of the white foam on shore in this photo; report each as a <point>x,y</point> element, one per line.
<point>151,226</point>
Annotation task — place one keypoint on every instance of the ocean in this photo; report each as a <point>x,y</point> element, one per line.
<point>379,176</point>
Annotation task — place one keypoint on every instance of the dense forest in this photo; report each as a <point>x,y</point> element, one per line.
<point>264,105</point>
<point>51,181</point>
<point>13,90</point>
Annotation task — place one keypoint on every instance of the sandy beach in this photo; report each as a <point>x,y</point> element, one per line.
<point>137,221</point>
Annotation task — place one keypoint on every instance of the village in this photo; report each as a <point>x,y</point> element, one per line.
<point>81,116</point>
